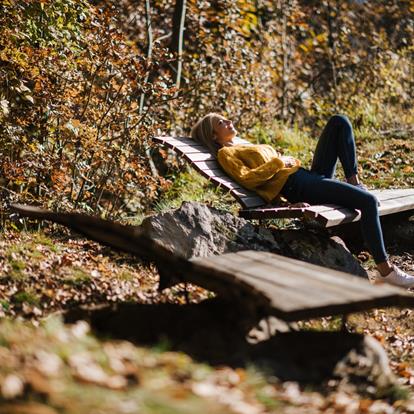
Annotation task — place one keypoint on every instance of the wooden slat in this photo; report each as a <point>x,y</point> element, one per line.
<point>392,193</point>
<point>217,174</point>
<point>179,141</point>
<point>382,195</point>
<point>174,141</point>
<point>292,273</point>
<point>297,290</point>
<point>272,213</point>
<point>226,181</point>
<point>190,149</point>
<point>331,215</point>
<point>326,279</point>
<point>199,157</point>
<point>252,202</point>
<point>206,165</point>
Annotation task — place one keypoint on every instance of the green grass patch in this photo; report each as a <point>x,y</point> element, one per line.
<point>293,141</point>
<point>126,275</point>
<point>21,256</point>
<point>77,277</point>
<point>191,186</point>
<point>27,296</point>
<point>5,304</point>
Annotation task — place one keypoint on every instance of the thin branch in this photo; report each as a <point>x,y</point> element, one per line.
<point>180,45</point>
<point>149,48</point>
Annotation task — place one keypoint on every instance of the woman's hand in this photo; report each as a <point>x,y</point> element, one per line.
<point>288,161</point>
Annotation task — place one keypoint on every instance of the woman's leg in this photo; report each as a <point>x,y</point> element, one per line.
<point>312,188</point>
<point>309,187</point>
<point>337,141</point>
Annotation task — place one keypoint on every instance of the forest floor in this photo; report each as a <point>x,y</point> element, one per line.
<point>49,366</point>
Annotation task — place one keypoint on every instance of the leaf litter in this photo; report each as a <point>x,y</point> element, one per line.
<point>47,365</point>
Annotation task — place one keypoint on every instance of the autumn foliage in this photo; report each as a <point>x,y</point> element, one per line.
<point>84,86</point>
<point>72,134</point>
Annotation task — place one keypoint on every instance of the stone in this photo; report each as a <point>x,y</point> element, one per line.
<point>198,230</point>
<point>368,363</point>
<point>308,356</point>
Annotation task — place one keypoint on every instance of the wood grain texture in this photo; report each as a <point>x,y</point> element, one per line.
<point>298,290</point>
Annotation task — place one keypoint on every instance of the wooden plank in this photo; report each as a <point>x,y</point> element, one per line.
<point>272,213</point>
<point>225,180</point>
<point>298,290</point>
<point>199,157</point>
<point>218,174</point>
<point>251,202</point>
<point>392,193</point>
<point>178,141</point>
<point>335,216</point>
<point>287,298</point>
<point>190,149</point>
<point>319,281</point>
<point>212,277</point>
<point>213,172</point>
<point>324,278</point>
<point>240,192</point>
<point>174,141</point>
<point>205,165</point>
<point>382,195</point>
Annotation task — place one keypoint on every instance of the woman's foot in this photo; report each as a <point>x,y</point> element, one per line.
<point>397,277</point>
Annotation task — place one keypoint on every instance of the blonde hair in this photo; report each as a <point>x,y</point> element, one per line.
<point>203,132</point>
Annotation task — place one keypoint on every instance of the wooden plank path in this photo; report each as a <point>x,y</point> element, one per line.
<point>254,207</point>
<point>292,290</point>
<point>265,283</point>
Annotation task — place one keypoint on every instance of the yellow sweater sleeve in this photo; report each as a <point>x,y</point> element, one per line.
<point>248,177</point>
<point>256,168</point>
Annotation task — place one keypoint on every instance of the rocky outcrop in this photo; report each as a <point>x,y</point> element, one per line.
<point>197,230</point>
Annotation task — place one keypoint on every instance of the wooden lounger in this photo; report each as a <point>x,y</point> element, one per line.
<point>254,207</point>
<point>265,283</point>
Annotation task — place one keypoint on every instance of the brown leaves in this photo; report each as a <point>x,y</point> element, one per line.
<point>42,274</point>
<point>73,81</point>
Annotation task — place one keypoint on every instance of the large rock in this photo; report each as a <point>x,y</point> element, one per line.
<point>354,359</point>
<point>197,230</point>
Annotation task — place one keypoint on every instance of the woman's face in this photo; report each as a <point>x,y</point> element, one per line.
<point>224,130</point>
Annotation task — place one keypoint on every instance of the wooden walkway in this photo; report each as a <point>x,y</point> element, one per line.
<point>265,283</point>
<point>292,290</point>
<point>254,207</point>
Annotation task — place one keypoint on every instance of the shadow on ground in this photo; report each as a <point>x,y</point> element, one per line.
<point>215,332</point>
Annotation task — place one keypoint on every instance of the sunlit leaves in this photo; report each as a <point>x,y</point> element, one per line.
<point>72,82</point>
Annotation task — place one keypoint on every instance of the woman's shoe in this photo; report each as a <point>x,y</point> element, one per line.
<point>397,277</point>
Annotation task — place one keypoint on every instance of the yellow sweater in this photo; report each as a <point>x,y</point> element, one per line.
<point>257,167</point>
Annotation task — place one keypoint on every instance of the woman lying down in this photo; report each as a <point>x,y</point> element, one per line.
<point>262,169</point>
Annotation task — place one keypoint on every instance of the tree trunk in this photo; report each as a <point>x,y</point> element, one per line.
<point>177,39</point>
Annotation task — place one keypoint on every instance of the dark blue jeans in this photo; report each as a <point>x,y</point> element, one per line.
<point>319,187</point>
